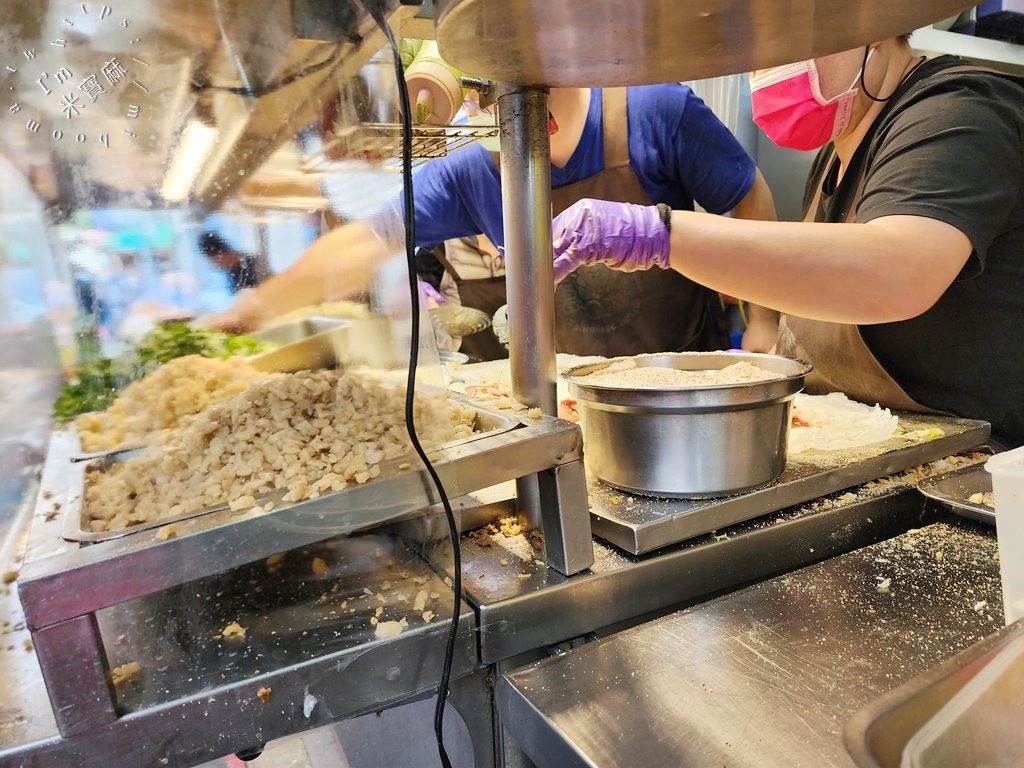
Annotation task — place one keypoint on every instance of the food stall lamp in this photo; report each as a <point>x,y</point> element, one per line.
<point>194,147</point>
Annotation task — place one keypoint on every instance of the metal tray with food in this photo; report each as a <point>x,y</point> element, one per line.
<point>79,454</point>
<point>76,518</point>
<point>966,491</point>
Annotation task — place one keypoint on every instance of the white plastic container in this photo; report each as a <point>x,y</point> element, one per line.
<point>1007,471</point>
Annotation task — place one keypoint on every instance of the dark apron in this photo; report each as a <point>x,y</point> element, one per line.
<point>488,295</point>
<point>599,311</point>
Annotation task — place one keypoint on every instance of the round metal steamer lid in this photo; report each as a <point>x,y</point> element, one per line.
<point>706,398</point>
<point>585,43</point>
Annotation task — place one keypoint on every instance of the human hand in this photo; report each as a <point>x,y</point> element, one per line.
<point>759,338</point>
<point>622,236</point>
<point>762,329</point>
<point>430,294</point>
<point>241,317</point>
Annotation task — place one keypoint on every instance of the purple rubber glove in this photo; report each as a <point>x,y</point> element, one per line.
<point>622,236</point>
<point>430,293</point>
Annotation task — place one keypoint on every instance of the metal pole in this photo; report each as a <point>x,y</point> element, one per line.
<point>526,201</point>
<point>529,275</point>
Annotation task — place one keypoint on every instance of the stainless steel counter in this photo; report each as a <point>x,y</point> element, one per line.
<point>641,524</point>
<point>769,675</point>
<point>519,605</point>
<point>522,606</point>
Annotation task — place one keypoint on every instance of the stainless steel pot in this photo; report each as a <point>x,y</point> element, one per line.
<point>689,442</point>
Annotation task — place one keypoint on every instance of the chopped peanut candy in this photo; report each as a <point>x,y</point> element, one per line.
<point>125,672</point>
<point>390,628</point>
<point>242,502</point>
<point>421,600</point>
<point>233,631</point>
<point>166,532</point>
<point>510,526</point>
<point>264,693</point>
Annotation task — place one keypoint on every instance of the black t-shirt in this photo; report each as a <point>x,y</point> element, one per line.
<point>245,274</point>
<point>950,146</point>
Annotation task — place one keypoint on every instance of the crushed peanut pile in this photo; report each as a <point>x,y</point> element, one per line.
<point>311,433</point>
<point>171,396</point>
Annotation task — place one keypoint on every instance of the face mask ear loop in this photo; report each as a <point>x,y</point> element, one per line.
<point>863,85</point>
<point>864,66</point>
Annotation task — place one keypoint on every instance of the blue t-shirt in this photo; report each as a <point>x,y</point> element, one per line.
<point>678,149</point>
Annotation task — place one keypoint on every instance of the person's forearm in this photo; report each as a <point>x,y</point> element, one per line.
<point>758,204</point>
<point>878,272</point>
<point>338,265</point>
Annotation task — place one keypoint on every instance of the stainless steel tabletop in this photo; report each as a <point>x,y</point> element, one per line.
<point>641,524</point>
<point>769,675</point>
<point>522,605</point>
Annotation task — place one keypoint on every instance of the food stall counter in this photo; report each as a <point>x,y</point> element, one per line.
<point>769,675</point>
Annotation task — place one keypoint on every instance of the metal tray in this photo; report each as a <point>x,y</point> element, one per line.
<point>74,525</point>
<point>954,489</point>
<point>306,344</point>
<point>877,735</point>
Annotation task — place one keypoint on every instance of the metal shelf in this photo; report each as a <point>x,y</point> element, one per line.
<point>383,141</point>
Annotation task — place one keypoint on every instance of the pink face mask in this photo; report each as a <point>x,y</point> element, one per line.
<point>788,106</point>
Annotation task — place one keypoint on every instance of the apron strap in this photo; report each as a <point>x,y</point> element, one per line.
<point>447,265</point>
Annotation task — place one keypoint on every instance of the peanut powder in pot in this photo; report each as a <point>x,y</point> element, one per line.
<point>627,374</point>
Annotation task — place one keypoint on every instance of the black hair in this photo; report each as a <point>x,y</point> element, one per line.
<point>211,243</point>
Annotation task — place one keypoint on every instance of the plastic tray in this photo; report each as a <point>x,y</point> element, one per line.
<point>980,725</point>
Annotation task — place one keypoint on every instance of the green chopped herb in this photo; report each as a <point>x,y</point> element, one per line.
<point>96,385</point>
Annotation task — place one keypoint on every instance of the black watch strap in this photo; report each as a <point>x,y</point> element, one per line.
<point>666,215</point>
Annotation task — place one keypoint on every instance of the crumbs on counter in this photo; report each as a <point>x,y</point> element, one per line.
<point>421,600</point>
<point>125,672</point>
<point>233,631</point>
<point>482,536</point>
<point>263,694</point>
<point>390,628</point>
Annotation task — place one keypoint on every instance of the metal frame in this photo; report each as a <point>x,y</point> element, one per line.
<point>63,585</point>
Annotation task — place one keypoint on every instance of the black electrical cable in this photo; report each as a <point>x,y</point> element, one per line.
<point>375,10</point>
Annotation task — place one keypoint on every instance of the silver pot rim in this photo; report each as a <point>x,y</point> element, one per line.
<point>792,373</point>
